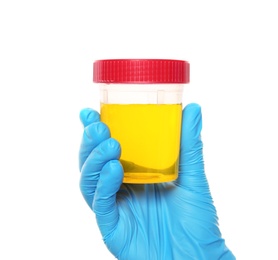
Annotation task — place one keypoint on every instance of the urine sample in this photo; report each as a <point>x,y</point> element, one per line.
<point>141,103</point>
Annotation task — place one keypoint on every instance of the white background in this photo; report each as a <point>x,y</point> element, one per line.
<point>47,49</point>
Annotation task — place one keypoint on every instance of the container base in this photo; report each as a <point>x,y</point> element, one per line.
<point>148,178</point>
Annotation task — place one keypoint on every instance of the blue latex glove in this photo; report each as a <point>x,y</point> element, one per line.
<point>172,221</point>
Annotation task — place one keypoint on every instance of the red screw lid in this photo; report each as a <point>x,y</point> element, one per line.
<point>141,71</point>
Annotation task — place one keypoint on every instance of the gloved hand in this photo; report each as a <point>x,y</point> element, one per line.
<point>168,221</point>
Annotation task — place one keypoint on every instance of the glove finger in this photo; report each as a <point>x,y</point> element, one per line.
<point>104,204</point>
<point>93,135</point>
<point>192,174</point>
<point>104,152</point>
<point>88,116</point>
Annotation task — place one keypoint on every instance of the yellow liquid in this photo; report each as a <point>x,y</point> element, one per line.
<point>149,135</point>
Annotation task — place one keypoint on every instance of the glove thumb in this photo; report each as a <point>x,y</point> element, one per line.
<point>192,175</point>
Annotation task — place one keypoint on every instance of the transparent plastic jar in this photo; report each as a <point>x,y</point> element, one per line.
<point>141,103</point>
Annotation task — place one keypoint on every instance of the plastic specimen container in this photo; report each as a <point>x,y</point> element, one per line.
<point>141,103</point>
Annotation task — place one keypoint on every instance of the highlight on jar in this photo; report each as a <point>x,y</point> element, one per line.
<point>141,103</point>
